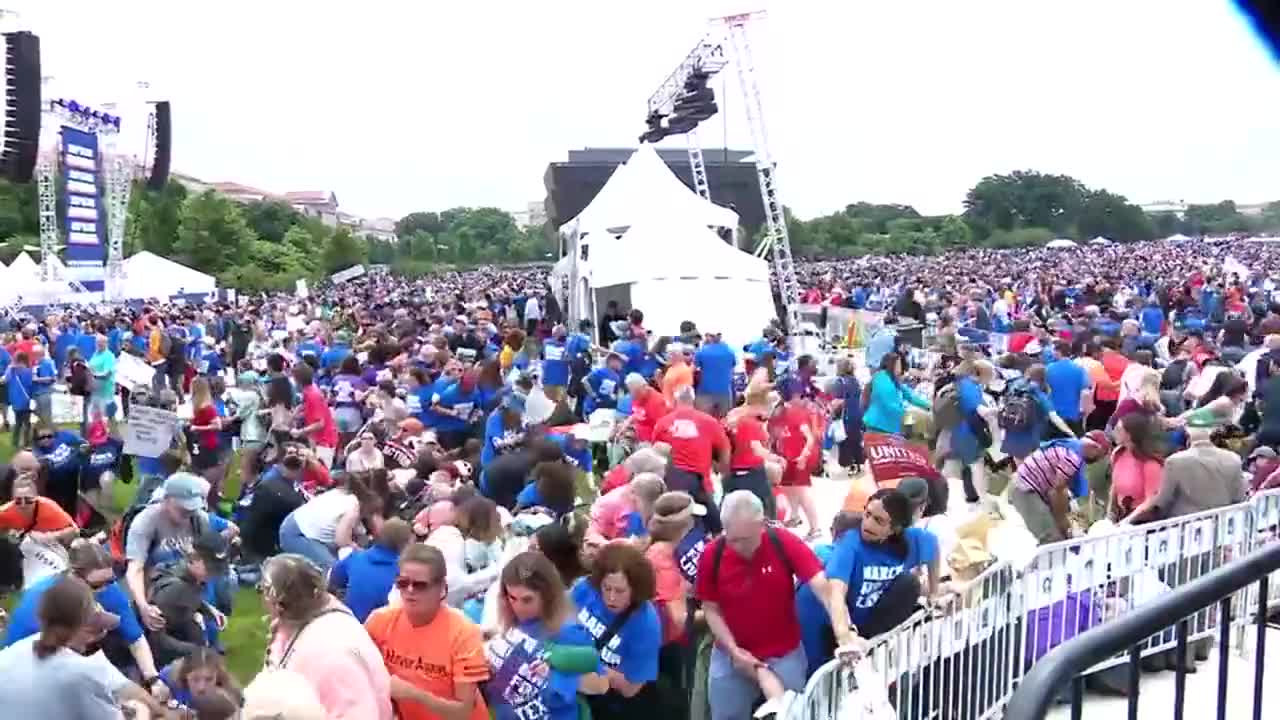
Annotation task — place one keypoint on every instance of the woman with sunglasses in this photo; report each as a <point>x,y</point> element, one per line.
<point>434,654</point>
<point>91,563</point>
<point>539,659</point>
<point>366,455</point>
<point>43,529</point>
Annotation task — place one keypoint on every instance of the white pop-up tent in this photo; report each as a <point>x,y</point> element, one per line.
<point>675,271</point>
<point>152,276</point>
<point>643,187</point>
<point>1100,240</point>
<point>1060,243</point>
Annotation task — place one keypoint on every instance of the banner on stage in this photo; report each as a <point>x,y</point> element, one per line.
<point>83,208</point>
<point>350,273</point>
<point>148,431</point>
<point>133,372</point>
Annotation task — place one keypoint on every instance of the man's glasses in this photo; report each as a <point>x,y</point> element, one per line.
<point>404,584</point>
<point>43,438</point>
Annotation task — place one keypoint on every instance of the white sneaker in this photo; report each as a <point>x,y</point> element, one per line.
<point>776,707</point>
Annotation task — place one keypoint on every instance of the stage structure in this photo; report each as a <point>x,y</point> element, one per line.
<point>684,100</point>
<point>78,149</point>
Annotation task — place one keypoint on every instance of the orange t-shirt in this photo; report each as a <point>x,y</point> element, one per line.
<point>448,650</point>
<point>50,517</point>
<point>677,376</point>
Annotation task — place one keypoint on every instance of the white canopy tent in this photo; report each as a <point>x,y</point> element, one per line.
<point>1100,240</point>
<point>644,187</point>
<point>676,271</point>
<point>1060,243</point>
<point>1177,237</point>
<point>152,276</point>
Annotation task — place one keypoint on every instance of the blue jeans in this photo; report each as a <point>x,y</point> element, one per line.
<point>732,694</point>
<point>293,541</point>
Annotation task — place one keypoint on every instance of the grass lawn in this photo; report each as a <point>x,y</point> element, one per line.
<point>246,634</point>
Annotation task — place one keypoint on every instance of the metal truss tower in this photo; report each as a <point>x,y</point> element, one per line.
<point>776,241</point>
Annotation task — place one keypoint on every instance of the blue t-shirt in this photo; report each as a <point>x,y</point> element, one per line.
<point>18,386</point>
<point>101,458</point>
<point>23,621</point>
<point>418,403</point>
<point>530,497</point>
<point>716,361</point>
<point>1152,319</point>
<point>689,551</point>
<point>1066,381</point>
<point>605,384</point>
<point>63,453</point>
<point>521,686</point>
<point>332,358</point>
<point>45,369</point>
<point>579,458</point>
<point>555,364</point>
<point>636,526</point>
<point>869,569</point>
<point>578,346</point>
<point>367,576</point>
<point>633,649</point>
<point>460,401</point>
<point>497,439</point>
<point>209,362</point>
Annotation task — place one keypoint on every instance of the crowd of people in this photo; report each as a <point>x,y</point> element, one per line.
<point>455,505</point>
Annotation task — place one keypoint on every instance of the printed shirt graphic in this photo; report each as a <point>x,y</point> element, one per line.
<point>868,569</point>
<point>689,551</point>
<point>522,685</point>
<point>633,649</point>
<point>431,657</point>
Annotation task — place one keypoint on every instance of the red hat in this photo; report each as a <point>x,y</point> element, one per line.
<point>1099,438</point>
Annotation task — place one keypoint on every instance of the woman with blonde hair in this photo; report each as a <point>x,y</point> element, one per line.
<point>620,513</point>
<point>536,626</point>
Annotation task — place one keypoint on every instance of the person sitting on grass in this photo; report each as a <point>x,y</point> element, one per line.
<point>199,678</point>
<point>179,593</point>
<point>364,578</point>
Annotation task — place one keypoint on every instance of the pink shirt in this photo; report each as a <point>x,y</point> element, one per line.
<point>609,513</point>
<point>339,660</point>
<point>1133,479</point>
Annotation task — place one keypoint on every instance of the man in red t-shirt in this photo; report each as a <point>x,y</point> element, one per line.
<point>749,448</point>
<point>746,584</point>
<point>696,438</point>
<point>317,418</point>
<point>647,407</point>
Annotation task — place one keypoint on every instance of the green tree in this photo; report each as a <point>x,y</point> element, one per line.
<point>1165,224</point>
<point>212,235</point>
<point>876,217</point>
<point>1216,219</point>
<point>18,211</point>
<point>1023,198</point>
<point>154,218</point>
<point>1020,237</point>
<point>343,250</point>
<point>1114,217</point>
<point>271,219</point>
<point>1270,220</point>
<point>427,222</point>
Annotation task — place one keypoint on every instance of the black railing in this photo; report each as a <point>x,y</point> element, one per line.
<point>1063,665</point>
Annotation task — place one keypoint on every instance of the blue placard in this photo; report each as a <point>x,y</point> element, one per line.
<point>83,208</point>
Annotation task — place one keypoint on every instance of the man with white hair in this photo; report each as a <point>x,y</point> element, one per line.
<point>647,407</point>
<point>746,581</point>
<point>697,440</point>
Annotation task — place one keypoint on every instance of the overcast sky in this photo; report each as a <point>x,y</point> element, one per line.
<point>401,105</point>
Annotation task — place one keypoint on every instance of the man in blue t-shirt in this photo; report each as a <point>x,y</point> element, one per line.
<point>1068,384</point>
<point>555,364</point>
<point>44,374</point>
<point>715,362</point>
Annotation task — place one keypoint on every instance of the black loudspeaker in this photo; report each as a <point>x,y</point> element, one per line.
<point>163,142</point>
<point>22,110</point>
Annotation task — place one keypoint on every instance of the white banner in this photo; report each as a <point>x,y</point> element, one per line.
<point>148,431</point>
<point>133,372</point>
<point>350,273</point>
<point>300,289</point>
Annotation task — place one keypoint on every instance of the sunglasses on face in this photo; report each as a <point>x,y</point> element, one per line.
<point>404,584</point>
<point>44,438</point>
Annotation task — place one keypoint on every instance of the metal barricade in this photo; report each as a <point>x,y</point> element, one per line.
<point>966,664</point>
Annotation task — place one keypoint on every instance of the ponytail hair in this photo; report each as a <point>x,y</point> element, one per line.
<point>64,608</point>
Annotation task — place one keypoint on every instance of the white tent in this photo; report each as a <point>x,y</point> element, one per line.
<point>1177,237</point>
<point>676,271</point>
<point>1100,240</point>
<point>643,187</point>
<point>1059,243</point>
<point>152,276</point>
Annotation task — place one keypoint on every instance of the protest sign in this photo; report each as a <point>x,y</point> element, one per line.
<point>133,372</point>
<point>148,431</point>
<point>350,273</point>
<point>892,458</point>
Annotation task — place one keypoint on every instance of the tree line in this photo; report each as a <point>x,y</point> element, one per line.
<point>269,245</point>
<point>1020,209</point>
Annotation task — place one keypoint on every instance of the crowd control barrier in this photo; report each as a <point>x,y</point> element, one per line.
<point>966,663</point>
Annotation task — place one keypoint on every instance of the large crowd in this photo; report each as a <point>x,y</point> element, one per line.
<point>454,505</point>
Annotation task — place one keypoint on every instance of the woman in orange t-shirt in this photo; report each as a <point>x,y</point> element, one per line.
<point>38,517</point>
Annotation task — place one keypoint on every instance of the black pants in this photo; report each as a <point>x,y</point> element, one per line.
<point>691,482</point>
<point>895,606</point>
<point>757,481</point>
<point>849,452</point>
<point>1101,415</point>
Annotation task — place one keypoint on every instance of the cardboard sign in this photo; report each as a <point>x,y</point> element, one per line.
<point>133,372</point>
<point>148,432</point>
<point>350,273</point>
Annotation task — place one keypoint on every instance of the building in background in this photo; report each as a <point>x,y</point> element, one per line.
<point>319,204</point>
<point>731,173</point>
<point>533,215</point>
<point>1177,207</point>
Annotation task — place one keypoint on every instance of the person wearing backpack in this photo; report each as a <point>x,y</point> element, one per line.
<point>965,445</point>
<point>1026,413</point>
<point>746,581</point>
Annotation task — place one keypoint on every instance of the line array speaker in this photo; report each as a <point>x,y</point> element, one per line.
<point>20,139</point>
<point>163,143</point>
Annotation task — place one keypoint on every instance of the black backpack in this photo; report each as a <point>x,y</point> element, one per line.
<point>79,379</point>
<point>1018,413</point>
<point>717,554</point>
<point>1173,375</point>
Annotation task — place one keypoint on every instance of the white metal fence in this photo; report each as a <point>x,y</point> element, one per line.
<point>966,664</point>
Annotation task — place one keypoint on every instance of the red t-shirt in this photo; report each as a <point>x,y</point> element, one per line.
<point>791,439</point>
<point>618,476</point>
<point>693,436</point>
<point>757,595</point>
<point>1019,341</point>
<point>202,417</point>
<point>316,410</point>
<point>315,477</point>
<point>747,430</point>
<point>645,413</point>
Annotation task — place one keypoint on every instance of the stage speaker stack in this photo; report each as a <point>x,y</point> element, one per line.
<point>163,142</point>
<point>20,135</point>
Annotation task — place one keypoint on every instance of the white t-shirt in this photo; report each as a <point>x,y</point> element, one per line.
<point>66,685</point>
<point>532,309</point>
<point>318,519</point>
